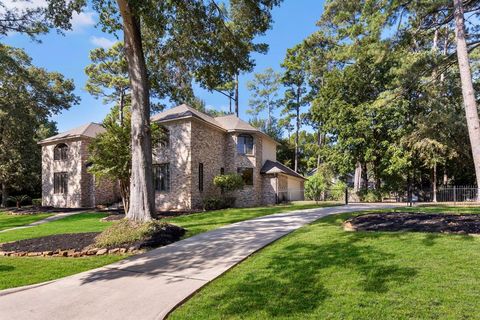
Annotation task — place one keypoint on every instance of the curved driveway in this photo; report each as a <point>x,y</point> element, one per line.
<point>150,285</point>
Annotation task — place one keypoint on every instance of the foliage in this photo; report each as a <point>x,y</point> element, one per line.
<point>337,191</point>
<point>125,232</point>
<point>228,182</point>
<point>218,203</point>
<point>37,202</point>
<point>36,95</point>
<point>19,200</point>
<point>264,96</point>
<point>110,154</point>
<point>316,186</point>
<point>370,195</point>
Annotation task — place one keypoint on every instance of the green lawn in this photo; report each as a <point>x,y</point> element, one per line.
<point>323,272</point>
<point>18,271</point>
<point>10,221</point>
<point>205,221</point>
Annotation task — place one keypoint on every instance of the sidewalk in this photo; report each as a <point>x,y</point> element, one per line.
<point>150,285</point>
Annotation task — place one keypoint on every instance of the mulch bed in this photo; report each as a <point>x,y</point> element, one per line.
<point>82,244</point>
<point>160,215</point>
<point>416,222</point>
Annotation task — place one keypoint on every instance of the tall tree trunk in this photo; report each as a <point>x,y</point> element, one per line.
<point>236,95</point>
<point>4,195</point>
<point>319,143</point>
<point>297,130</point>
<point>434,183</point>
<point>467,87</point>
<point>141,182</point>
<point>357,179</point>
<point>445,177</point>
<point>122,103</point>
<point>364,176</point>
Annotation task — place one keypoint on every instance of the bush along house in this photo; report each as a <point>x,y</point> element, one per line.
<point>198,148</point>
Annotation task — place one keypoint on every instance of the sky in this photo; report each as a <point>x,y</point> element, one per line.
<point>294,20</point>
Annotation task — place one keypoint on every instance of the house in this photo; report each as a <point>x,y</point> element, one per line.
<point>198,148</point>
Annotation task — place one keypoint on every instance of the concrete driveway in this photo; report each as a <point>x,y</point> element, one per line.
<point>150,285</point>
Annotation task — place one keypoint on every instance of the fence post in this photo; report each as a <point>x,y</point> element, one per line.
<point>346,196</point>
<point>454,195</point>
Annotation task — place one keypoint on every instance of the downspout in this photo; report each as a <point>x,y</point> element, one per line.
<point>276,188</point>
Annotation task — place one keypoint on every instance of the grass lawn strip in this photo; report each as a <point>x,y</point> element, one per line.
<point>19,271</point>
<point>8,221</point>
<point>323,272</point>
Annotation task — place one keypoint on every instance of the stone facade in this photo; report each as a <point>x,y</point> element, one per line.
<point>179,157</point>
<point>195,141</point>
<point>81,189</point>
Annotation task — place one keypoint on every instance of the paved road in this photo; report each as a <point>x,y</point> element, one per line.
<point>150,285</point>
<point>55,217</point>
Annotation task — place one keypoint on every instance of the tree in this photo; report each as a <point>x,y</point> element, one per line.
<point>295,80</point>
<point>264,95</point>
<point>190,33</point>
<point>468,91</point>
<point>29,96</point>
<point>111,153</point>
<point>108,76</point>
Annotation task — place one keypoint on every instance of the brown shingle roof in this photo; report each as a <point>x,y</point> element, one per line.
<point>89,130</point>
<point>233,123</point>
<point>184,111</point>
<point>270,167</point>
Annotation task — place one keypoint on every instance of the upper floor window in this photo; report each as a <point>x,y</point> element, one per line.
<point>245,144</point>
<point>60,182</point>
<point>60,152</point>
<point>161,177</point>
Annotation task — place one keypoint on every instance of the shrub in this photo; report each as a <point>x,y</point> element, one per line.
<point>37,202</point>
<point>370,195</point>
<point>19,200</point>
<point>315,187</point>
<point>218,203</point>
<point>125,232</point>
<point>338,191</point>
<point>228,182</point>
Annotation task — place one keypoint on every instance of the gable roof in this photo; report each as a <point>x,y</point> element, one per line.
<point>229,123</point>
<point>184,111</point>
<point>89,130</point>
<point>233,123</point>
<point>270,167</point>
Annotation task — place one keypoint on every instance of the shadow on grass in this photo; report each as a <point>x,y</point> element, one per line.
<point>291,283</point>
<point>4,268</point>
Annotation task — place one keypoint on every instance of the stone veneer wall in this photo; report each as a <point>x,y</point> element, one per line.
<point>73,166</point>
<point>208,147</point>
<point>249,196</point>
<point>269,189</point>
<point>82,191</point>
<point>178,155</point>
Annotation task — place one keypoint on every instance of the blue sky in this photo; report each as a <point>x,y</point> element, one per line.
<point>293,21</point>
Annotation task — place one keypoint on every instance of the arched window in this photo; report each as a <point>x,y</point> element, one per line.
<point>245,144</point>
<point>60,152</point>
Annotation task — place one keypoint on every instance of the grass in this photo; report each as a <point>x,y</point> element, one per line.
<point>8,221</point>
<point>206,221</point>
<point>15,272</point>
<point>323,272</point>
<point>18,271</point>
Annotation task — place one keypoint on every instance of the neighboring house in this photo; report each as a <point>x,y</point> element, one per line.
<point>198,148</point>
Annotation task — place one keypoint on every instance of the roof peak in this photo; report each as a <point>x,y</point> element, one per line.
<point>87,130</point>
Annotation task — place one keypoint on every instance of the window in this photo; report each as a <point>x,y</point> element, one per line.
<point>200,177</point>
<point>247,175</point>
<point>245,144</point>
<point>60,152</point>
<point>161,177</point>
<point>222,171</point>
<point>60,182</point>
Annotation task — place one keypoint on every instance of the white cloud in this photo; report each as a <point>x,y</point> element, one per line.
<point>102,42</point>
<point>83,20</point>
<point>24,4</point>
